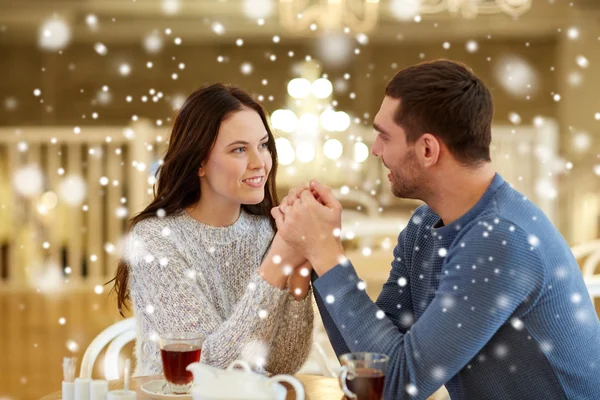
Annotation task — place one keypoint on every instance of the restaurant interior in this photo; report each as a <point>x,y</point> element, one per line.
<point>90,89</point>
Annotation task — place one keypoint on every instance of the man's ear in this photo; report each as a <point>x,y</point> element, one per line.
<point>430,149</point>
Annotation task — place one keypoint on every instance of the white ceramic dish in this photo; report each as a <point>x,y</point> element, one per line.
<point>155,389</point>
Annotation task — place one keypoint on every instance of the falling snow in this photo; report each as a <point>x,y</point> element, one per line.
<point>338,85</point>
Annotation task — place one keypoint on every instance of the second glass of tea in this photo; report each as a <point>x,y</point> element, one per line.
<point>362,375</point>
<point>178,350</point>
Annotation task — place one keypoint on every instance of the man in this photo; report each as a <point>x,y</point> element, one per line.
<point>484,295</point>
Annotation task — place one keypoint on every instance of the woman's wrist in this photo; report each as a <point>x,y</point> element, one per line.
<point>273,273</point>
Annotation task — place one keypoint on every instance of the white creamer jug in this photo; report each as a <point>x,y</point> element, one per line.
<point>212,383</point>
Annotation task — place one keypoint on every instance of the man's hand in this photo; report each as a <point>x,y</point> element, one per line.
<point>312,228</point>
<point>283,265</point>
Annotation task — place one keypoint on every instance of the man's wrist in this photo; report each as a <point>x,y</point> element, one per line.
<point>326,256</point>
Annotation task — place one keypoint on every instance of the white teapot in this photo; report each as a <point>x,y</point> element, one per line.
<point>212,383</point>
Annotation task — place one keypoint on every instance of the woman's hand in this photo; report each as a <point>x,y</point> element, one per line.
<point>299,281</point>
<point>283,265</point>
<point>294,194</point>
<point>311,227</point>
<point>279,263</point>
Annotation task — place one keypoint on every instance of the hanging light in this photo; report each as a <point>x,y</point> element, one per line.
<point>333,149</point>
<point>299,88</point>
<point>342,121</point>
<point>308,124</point>
<point>361,152</point>
<point>305,152</point>
<point>297,16</point>
<point>330,15</point>
<point>322,88</point>
<point>285,152</point>
<point>464,8</point>
<point>328,120</point>
<point>284,120</point>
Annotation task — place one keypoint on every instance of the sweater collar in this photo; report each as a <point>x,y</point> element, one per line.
<point>219,234</point>
<point>444,230</point>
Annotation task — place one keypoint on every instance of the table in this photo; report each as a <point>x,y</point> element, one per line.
<point>316,388</point>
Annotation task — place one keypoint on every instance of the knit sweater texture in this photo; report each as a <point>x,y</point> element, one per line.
<point>492,305</point>
<point>186,276</point>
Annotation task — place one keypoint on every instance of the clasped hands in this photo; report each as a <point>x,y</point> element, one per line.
<point>308,228</point>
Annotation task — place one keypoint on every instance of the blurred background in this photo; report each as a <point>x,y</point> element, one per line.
<point>89,89</point>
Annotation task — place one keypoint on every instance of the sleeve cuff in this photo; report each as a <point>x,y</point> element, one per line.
<point>300,304</point>
<point>269,296</point>
<point>335,279</point>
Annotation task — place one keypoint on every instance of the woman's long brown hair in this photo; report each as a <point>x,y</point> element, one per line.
<point>192,137</point>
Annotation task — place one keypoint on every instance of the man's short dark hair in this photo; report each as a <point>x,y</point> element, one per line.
<point>445,98</point>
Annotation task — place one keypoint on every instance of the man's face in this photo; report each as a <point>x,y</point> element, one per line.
<point>406,175</point>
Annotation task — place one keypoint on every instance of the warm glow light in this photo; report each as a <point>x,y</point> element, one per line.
<point>405,10</point>
<point>54,34</point>
<point>285,151</point>
<point>335,121</point>
<point>333,149</point>
<point>322,88</point>
<point>342,121</point>
<point>299,88</point>
<point>331,15</point>
<point>328,120</point>
<point>49,200</point>
<point>305,152</point>
<point>361,152</point>
<point>308,124</point>
<point>284,120</point>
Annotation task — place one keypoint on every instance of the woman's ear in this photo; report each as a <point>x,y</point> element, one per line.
<point>201,171</point>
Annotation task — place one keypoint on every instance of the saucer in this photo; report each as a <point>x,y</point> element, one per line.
<point>154,388</point>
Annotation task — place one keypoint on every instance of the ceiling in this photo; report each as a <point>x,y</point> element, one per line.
<point>125,21</point>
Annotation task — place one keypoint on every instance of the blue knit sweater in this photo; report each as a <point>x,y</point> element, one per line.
<point>493,306</point>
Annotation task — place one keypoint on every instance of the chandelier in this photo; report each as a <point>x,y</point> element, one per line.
<point>329,15</point>
<point>471,8</point>
<point>313,135</point>
<point>362,15</point>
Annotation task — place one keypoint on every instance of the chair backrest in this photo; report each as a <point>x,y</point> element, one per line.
<point>593,285</point>
<point>589,253</point>
<point>117,335</point>
<point>111,357</point>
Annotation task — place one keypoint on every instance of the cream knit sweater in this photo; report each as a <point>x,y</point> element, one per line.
<point>188,276</point>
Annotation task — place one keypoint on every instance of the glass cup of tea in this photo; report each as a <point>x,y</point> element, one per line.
<point>362,375</point>
<point>178,350</point>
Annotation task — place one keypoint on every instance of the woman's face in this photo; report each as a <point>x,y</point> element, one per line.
<point>238,166</point>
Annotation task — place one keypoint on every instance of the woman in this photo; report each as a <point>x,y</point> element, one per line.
<point>203,256</point>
